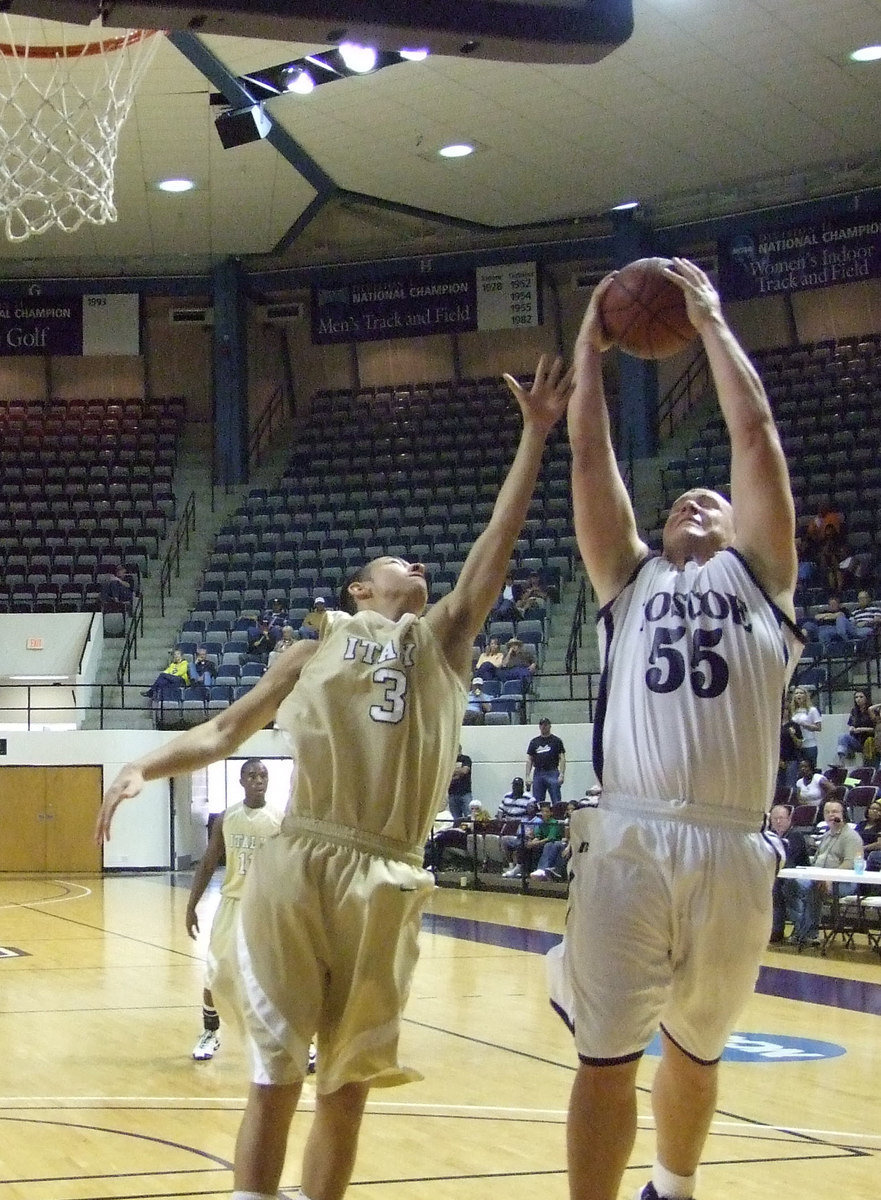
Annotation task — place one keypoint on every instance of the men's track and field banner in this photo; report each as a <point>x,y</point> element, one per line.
<point>413,305</point>
<point>70,325</point>
<point>797,257</point>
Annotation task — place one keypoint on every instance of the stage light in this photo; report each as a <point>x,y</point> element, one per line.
<point>360,59</point>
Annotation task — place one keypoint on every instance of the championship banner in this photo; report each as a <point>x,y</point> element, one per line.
<point>795,258</point>
<point>70,325</point>
<point>504,297</point>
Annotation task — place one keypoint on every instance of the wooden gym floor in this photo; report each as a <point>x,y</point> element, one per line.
<point>100,993</point>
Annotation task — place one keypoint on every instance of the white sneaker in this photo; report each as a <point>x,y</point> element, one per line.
<point>310,1070</point>
<point>539,873</point>
<point>207,1046</point>
<point>511,873</point>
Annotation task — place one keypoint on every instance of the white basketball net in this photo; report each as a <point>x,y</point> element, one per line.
<point>60,119</point>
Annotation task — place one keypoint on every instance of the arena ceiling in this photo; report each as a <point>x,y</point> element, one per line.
<point>711,107</point>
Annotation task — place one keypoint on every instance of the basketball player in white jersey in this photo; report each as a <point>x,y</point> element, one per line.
<point>331,908</point>
<point>235,835</point>
<point>670,907</point>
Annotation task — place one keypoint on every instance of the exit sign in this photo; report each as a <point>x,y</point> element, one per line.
<point>34,644</point>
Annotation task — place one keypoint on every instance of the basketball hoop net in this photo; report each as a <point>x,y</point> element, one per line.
<point>61,111</point>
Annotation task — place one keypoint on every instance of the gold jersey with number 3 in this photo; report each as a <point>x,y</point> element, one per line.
<point>374,723</point>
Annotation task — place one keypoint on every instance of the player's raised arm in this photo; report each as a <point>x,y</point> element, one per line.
<point>761,496</point>
<point>212,741</point>
<point>605,526</point>
<point>458,617</point>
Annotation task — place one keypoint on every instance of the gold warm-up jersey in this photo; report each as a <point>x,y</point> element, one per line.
<point>374,721</point>
<point>244,829</point>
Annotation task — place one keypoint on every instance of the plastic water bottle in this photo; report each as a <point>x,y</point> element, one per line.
<point>859,864</point>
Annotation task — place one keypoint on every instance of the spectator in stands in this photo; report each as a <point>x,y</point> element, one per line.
<point>866,614</point>
<point>809,721</point>
<point>545,764</point>
<point>811,787</point>
<point>860,726</point>
<point>478,704</point>
<point>833,624</point>
<point>791,743</point>
<point>203,670</point>
<point>869,830</point>
<point>786,893</point>
<point>117,594</point>
<point>837,848</point>
<point>549,839</point>
<point>807,562</point>
<point>261,641</point>
<point>828,521</point>
<point>515,802</point>
<point>477,814</point>
<point>857,568</point>
<point>489,660</point>
<point>288,638</point>
<point>513,843</point>
<point>314,620</point>
<point>519,663</point>
<point>831,551</point>
<point>277,613</point>
<point>533,596</point>
<point>168,683</point>
<point>459,791</point>
<point>505,608</point>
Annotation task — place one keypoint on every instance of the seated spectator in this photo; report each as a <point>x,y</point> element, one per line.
<point>791,743</point>
<point>277,613</point>
<point>810,786</point>
<point>807,717</point>
<point>489,660</point>
<point>866,614</point>
<point>786,893</point>
<point>478,704</point>
<point>288,638</point>
<point>519,663</point>
<point>828,521</point>
<point>477,814</point>
<point>515,802</point>
<point>261,641</point>
<point>832,549</point>
<point>506,606</point>
<point>117,594</point>
<point>548,838</point>
<point>834,624</point>
<point>513,843</point>
<point>203,670</point>
<point>837,848</point>
<point>860,727</point>
<point>533,595</point>
<point>169,682</point>
<point>857,568</point>
<point>314,620</point>
<point>869,830</point>
<point>807,563</point>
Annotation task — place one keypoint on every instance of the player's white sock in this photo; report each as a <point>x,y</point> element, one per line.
<point>254,1196</point>
<point>670,1186</point>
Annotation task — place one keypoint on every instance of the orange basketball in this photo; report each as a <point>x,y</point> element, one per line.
<point>644,313</point>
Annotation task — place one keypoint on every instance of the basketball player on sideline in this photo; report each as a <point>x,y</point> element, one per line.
<point>235,835</point>
<point>670,906</point>
<point>331,908</point>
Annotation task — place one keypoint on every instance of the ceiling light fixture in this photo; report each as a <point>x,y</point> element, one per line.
<point>299,81</point>
<point>866,54</point>
<point>360,59</point>
<point>625,206</point>
<point>175,185</point>
<point>413,55</point>
<point>456,150</point>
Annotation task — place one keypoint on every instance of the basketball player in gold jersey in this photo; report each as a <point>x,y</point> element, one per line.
<point>236,834</point>
<point>327,940</point>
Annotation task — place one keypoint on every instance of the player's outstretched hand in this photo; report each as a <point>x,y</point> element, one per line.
<point>546,400</point>
<point>701,298</point>
<point>192,922</point>
<point>127,783</point>
<point>592,334</point>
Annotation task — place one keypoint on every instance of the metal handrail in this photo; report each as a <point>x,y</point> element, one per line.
<point>684,395</point>
<point>171,563</point>
<point>130,645</point>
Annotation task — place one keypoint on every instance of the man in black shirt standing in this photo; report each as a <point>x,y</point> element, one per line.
<point>785,892</point>
<point>459,791</point>
<point>545,764</point>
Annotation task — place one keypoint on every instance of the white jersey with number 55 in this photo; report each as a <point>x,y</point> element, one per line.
<point>375,720</point>
<point>695,663</point>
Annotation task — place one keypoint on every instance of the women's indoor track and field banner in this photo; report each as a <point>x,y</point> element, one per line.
<point>396,306</point>
<point>797,257</point>
<point>70,325</point>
